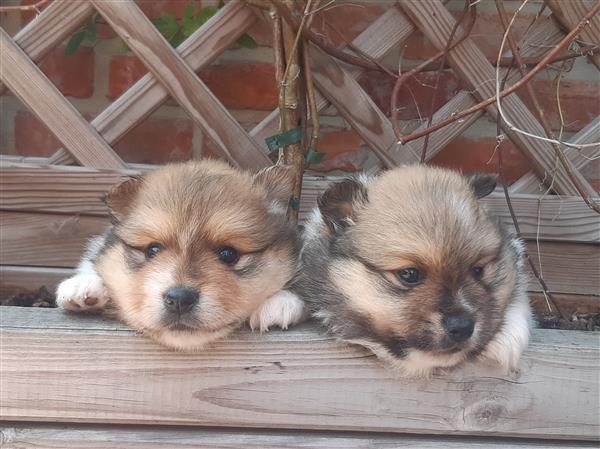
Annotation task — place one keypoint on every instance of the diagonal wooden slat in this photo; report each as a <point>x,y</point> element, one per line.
<point>185,87</point>
<point>569,13</point>
<point>385,33</point>
<point>580,158</point>
<point>472,66</point>
<point>49,28</point>
<point>147,94</point>
<point>32,87</point>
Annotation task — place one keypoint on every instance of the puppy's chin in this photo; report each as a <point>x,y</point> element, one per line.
<point>187,339</point>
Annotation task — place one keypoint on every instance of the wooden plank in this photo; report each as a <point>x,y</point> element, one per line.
<point>570,13</point>
<point>47,240</point>
<point>147,94</point>
<point>32,87</point>
<point>77,190</point>
<point>79,369</point>
<point>569,304</point>
<point>51,27</point>
<point>566,267</point>
<point>529,183</point>
<point>471,65</point>
<point>18,279</point>
<point>232,142</point>
<point>357,107</point>
<point>130,437</point>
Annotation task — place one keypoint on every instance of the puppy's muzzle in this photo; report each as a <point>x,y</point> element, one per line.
<point>180,300</point>
<point>459,328</point>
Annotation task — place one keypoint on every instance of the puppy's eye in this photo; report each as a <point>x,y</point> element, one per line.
<point>477,272</point>
<point>228,255</point>
<point>410,276</point>
<point>153,250</point>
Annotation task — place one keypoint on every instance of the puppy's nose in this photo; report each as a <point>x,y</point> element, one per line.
<point>459,328</point>
<point>180,300</point>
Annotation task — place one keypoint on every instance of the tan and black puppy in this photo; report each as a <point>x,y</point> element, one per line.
<point>196,249</point>
<point>410,265</point>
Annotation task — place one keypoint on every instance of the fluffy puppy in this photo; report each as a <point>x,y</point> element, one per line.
<point>411,266</point>
<point>196,249</point>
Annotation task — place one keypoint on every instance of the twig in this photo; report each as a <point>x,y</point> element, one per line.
<point>536,104</point>
<point>449,45</point>
<point>534,71</point>
<point>310,96</point>
<point>498,150</point>
<point>35,7</point>
<point>405,76</point>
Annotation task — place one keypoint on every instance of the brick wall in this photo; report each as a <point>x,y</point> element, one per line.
<point>243,80</point>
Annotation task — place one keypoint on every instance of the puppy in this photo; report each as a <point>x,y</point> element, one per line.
<point>409,265</point>
<point>196,249</point>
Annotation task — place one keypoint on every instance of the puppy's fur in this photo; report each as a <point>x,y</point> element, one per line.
<point>368,230</point>
<point>190,212</point>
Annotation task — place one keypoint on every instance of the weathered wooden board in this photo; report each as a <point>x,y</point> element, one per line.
<point>470,63</point>
<point>32,87</point>
<point>65,368</point>
<point>530,183</point>
<point>21,436</point>
<point>19,279</point>
<point>46,240</point>
<point>147,94</point>
<point>231,140</point>
<point>75,190</point>
<point>49,28</point>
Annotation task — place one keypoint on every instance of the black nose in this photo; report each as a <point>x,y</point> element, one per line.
<point>459,328</point>
<point>180,300</point>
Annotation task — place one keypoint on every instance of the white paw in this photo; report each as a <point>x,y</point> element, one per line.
<point>282,309</point>
<point>82,293</point>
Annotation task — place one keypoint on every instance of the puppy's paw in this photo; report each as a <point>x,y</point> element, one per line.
<point>82,293</point>
<point>283,309</point>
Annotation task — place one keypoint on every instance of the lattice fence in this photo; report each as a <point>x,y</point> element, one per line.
<point>48,204</point>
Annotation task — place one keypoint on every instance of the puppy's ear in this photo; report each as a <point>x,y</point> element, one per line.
<point>278,181</point>
<point>121,196</point>
<point>337,203</point>
<point>482,184</point>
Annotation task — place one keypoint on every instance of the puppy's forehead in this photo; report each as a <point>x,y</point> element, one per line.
<point>189,202</point>
<point>425,213</point>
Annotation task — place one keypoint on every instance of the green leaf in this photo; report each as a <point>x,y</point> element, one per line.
<point>246,41</point>
<point>188,12</point>
<point>178,38</point>
<point>220,4</point>
<point>90,30</point>
<point>167,25</point>
<point>75,42</point>
<point>198,20</point>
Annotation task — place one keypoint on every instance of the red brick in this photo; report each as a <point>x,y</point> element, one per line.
<point>32,137</point>
<point>242,85</point>
<point>580,102</point>
<point>477,155</point>
<point>415,96</point>
<point>123,71</point>
<point>347,18</point>
<point>72,75</point>
<point>343,149</point>
<point>154,8</point>
<point>157,141</point>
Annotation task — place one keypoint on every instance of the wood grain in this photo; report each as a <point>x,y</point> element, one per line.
<point>20,279</point>
<point>47,240</point>
<point>43,436</point>
<point>231,140</point>
<point>529,183</point>
<point>471,65</point>
<point>51,27</point>
<point>147,94</point>
<point>569,304</point>
<point>32,87</point>
<point>570,13</point>
<point>80,369</point>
